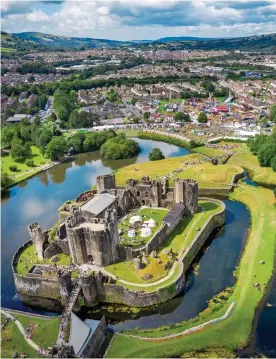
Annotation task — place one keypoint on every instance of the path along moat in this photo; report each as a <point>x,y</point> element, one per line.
<point>39,198</point>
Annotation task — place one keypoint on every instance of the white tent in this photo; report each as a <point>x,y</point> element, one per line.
<point>145,232</point>
<point>151,223</point>
<point>131,233</point>
<point>134,219</point>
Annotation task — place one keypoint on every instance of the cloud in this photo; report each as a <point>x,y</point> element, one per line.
<point>137,19</point>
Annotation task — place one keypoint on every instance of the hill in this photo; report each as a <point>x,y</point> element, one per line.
<point>264,43</point>
<point>64,42</point>
<point>10,44</point>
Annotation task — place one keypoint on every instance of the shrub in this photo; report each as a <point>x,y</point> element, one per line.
<point>13,168</point>
<point>156,155</point>
<point>29,162</point>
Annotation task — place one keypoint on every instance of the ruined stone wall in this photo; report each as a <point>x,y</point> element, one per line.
<point>119,294</point>
<point>37,286</point>
<point>216,221</point>
<point>158,239</point>
<point>146,192</point>
<point>89,290</point>
<point>96,341</point>
<point>186,191</point>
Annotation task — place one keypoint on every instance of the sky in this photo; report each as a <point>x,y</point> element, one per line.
<point>140,19</point>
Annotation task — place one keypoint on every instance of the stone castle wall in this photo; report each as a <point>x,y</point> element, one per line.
<point>158,239</point>
<point>96,341</point>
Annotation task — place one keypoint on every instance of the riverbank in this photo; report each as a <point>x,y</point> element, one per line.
<point>234,332</point>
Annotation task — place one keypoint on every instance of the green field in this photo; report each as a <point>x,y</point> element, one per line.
<point>23,171</point>
<point>28,258</point>
<point>16,343</point>
<point>207,175</point>
<point>250,163</point>
<point>211,152</point>
<point>49,326</point>
<point>234,332</point>
<point>7,49</point>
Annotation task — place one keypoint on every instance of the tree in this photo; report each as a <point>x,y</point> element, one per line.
<point>272,114</point>
<point>146,115</point>
<point>255,143</point>
<point>77,141</point>
<point>56,148</point>
<point>273,163</point>
<point>119,147</point>
<point>133,101</point>
<point>208,86</point>
<point>156,155</point>
<point>20,152</point>
<point>7,135</point>
<point>5,180</point>
<point>182,117</point>
<point>202,118</point>
<point>266,153</point>
<point>29,162</point>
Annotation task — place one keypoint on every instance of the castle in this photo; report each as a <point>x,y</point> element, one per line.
<point>90,234</point>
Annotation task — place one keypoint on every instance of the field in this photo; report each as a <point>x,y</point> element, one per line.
<point>207,175</point>
<point>23,171</point>
<point>208,151</point>
<point>7,49</point>
<point>16,343</point>
<point>28,258</point>
<point>42,326</point>
<point>232,333</point>
<point>178,241</point>
<point>250,163</point>
<point>167,102</point>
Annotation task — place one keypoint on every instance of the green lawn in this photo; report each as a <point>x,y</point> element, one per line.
<point>234,332</point>
<point>207,175</point>
<point>146,214</point>
<point>211,152</point>
<point>23,171</point>
<point>28,258</point>
<point>16,344</point>
<point>7,49</point>
<point>250,163</point>
<point>167,102</point>
<point>50,327</point>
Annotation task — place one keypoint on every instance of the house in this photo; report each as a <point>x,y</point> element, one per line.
<point>83,97</point>
<point>17,118</point>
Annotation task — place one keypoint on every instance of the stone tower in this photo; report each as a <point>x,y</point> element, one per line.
<point>186,191</point>
<point>38,238</point>
<point>93,239</point>
<point>66,286</point>
<point>105,182</point>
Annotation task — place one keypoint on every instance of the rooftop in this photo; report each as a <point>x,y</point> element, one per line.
<point>176,210</point>
<point>98,203</point>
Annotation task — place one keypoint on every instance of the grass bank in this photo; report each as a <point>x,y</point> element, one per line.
<point>262,175</point>
<point>207,151</point>
<point>41,327</point>
<point>157,137</point>
<point>234,332</point>
<point>23,171</point>
<point>207,175</point>
<point>12,341</point>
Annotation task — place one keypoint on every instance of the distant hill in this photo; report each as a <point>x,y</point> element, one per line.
<point>64,42</point>
<point>264,43</point>
<point>11,43</point>
<point>183,38</point>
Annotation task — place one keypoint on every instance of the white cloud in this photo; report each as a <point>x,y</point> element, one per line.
<point>37,16</point>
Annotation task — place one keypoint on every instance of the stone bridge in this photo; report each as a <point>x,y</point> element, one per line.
<point>66,315</point>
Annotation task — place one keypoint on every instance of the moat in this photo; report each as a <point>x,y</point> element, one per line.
<point>38,199</point>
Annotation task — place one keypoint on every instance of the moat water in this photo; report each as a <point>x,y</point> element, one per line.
<point>39,198</point>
